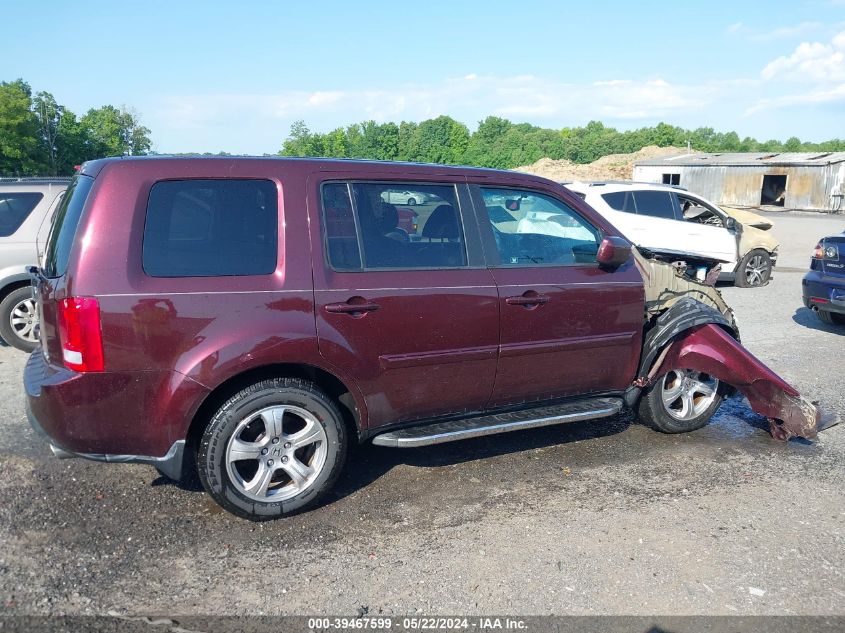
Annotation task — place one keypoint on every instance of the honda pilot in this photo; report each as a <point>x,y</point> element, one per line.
<point>249,319</point>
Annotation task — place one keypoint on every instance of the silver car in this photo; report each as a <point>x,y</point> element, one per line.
<point>26,211</point>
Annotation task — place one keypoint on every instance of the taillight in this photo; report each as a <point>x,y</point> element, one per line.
<point>80,335</point>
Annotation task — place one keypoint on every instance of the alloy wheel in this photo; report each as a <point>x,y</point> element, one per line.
<point>755,270</point>
<point>276,453</point>
<point>686,394</point>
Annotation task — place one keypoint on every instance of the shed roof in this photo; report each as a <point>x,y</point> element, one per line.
<point>747,159</point>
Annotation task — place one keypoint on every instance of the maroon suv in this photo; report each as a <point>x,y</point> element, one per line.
<point>253,317</point>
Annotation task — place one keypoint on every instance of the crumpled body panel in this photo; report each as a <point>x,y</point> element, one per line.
<point>710,349</point>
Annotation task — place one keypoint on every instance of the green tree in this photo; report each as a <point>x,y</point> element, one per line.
<point>113,132</point>
<point>300,141</point>
<point>488,146</point>
<point>19,147</point>
<point>503,144</point>
<point>441,140</point>
<point>408,140</point>
<point>49,115</point>
<point>793,144</point>
<point>71,144</point>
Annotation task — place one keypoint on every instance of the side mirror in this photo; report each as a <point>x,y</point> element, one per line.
<point>613,252</point>
<point>730,223</point>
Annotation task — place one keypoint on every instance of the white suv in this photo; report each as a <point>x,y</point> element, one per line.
<point>26,209</point>
<point>667,218</point>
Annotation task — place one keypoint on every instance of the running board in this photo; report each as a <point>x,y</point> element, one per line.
<point>465,428</point>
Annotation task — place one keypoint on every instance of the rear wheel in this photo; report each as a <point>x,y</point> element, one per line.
<point>755,269</point>
<point>681,401</point>
<point>272,449</point>
<point>412,201</point>
<point>18,319</point>
<point>832,318</point>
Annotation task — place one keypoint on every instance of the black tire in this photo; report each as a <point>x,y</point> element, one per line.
<point>213,466</point>
<point>412,201</point>
<point>754,270</point>
<point>653,411</point>
<point>7,331</point>
<point>831,318</point>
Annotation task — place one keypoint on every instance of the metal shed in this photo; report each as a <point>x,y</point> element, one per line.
<point>805,180</point>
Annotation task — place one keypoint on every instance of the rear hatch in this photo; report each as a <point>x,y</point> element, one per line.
<point>51,279</point>
<point>833,263</point>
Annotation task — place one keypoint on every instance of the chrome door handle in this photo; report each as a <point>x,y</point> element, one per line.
<point>527,301</point>
<point>351,308</point>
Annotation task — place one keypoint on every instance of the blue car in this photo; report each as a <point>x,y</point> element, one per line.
<point>824,285</point>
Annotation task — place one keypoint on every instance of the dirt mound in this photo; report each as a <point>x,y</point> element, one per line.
<point>610,167</point>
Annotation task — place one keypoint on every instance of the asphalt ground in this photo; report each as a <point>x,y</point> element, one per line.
<point>606,517</point>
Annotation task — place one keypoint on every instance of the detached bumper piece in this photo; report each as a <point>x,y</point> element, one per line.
<point>710,349</point>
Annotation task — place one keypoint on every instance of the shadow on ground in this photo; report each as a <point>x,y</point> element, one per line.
<point>586,442</point>
<point>806,318</point>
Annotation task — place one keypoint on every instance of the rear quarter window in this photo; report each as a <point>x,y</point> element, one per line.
<point>211,228</point>
<point>64,226</point>
<point>15,207</point>
<point>620,201</point>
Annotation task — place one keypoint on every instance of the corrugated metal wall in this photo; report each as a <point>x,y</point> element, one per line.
<point>817,187</point>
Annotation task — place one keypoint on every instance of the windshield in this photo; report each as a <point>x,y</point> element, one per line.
<point>64,226</point>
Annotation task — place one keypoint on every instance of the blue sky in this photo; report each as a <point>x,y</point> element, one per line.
<point>233,76</point>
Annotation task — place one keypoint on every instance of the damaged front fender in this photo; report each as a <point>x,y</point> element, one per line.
<point>710,349</point>
<point>691,327</point>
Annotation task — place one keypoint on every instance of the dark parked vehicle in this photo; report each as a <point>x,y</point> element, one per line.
<point>251,318</point>
<point>824,285</point>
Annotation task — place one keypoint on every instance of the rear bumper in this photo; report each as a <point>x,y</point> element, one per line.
<point>823,292</point>
<point>170,465</point>
<point>129,417</point>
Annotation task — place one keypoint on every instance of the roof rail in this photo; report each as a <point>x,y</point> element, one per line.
<point>601,183</point>
<point>36,180</point>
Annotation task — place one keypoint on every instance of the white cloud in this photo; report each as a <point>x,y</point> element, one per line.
<point>817,97</point>
<point>814,74</point>
<point>786,32</point>
<point>523,95</point>
<point>811,61</point>
<point>740,29</point>
<point>207,122</point>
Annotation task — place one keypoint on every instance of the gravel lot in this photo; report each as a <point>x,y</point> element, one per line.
<point>589,518</point>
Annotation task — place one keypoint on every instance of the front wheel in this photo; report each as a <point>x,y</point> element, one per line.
<point>755,269</point>
<point>681,401</point>
<point>272,449</point>
<point>412,201</point>
<point>18,319</point>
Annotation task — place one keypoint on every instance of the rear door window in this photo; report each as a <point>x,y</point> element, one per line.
<point>211,228</point>
<point>376,225</point>
<point>15,207</point>
<point>657,204</point>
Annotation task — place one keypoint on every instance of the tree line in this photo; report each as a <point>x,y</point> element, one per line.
<point>503,144</point>
<point>38,136</point>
